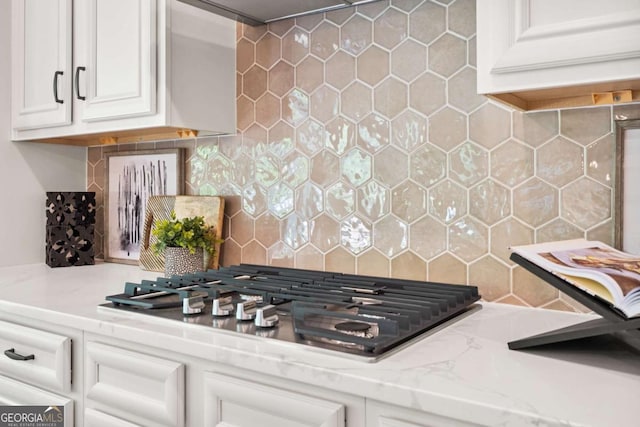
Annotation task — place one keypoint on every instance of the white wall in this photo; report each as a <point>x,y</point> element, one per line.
<point>27,171</point>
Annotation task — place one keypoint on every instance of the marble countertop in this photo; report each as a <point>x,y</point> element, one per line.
<point>464,371</point>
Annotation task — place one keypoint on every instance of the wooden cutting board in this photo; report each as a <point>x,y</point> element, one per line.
<point>160,207</point>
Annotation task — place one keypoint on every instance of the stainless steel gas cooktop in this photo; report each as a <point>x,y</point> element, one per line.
<point>353,314</point>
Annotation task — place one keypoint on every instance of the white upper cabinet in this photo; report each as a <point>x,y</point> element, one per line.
<point>118,54</point>
<point>41,90</point>
<point>139,70</point>
<point>537,54</point>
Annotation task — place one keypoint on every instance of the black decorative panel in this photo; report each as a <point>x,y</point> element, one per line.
<point>70,228</point>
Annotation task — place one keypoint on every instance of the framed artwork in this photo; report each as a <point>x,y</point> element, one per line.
<point>130,179</point>
<point>627,192</point>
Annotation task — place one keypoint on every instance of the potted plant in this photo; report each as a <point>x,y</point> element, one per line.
<point>183,242</point>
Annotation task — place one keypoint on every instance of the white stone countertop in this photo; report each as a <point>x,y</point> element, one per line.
<point>463,371</point>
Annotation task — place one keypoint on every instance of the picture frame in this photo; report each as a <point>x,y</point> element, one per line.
<point>627,197</point>
<point>131,177</point>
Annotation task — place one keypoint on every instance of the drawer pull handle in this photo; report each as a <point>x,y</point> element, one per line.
<point>11,354</point>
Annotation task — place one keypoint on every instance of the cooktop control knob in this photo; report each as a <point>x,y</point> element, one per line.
<point>193,304</point>
<point>246,310</point>
<point>266,317</point>
<point>222,307</point>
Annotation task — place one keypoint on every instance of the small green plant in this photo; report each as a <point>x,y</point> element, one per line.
<point>190,233</point>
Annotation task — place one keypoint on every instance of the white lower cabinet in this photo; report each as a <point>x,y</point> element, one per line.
<point>13,393</point>
<point>234,402</point>
<point>380,414</point>
<point>124,388</point>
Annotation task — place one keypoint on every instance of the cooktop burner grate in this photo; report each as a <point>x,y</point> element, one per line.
<point>363,315</point>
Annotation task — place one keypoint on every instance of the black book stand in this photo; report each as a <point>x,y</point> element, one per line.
<point>611,322</point>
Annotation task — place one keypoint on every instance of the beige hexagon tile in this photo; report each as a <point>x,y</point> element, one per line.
<point>254,199</point>
<point>267,229</point>
<point>409,201</point>
<point>463,92</point>
<point>390,166</point>
<point>325,233</point>
<point>355,234</point>
<point>356,34</point>
<point>558,229</point>
<point>267,110</point>
<point>310,137</point>
<point>468,164</point>
<point>508,233</point>
<point>238,84</point>
<point>490,125</point>
<point>390,28</point>
<point>447,269</point>
<point>409,130</point>
<point>575,305</point>
<point>254,33</point>
<point>295,169</point>
<point>428,165</point>
<point>373,200</point>
<point>512,300</point>
<point>447,55</point>
<point>325,40</point>
<point>373,133</point>
<point>245,112</point>
<point>408,60</point>
<point>355,101</point>
<point>309,258</point>
<point>585,125</point>
<point>374,9</point>
<point>245,55</point>
<point>295,107</point>
<point>390,236</point>
<point>558,305</point>
<point>281,141</point>
<point>390,97</point>
<point>309,22</point>
<point>281,255</point>
<point>512,163</point>
<point>254,82</point>
<point>341,200</point>
<point>472,51</point>
<point>268,50</point>
<point>280,199</point>
<point>243,170</point>
<point>427,22</point>
<point>309,74</point>
<point>462,17</point>
<point>340,70</point>
<point>241,228</point>
<point>409,266</point>
<point>280,28</point>
<point>427,93</point>
<point>254,140</point>
<point>341,261</point>
<point>560,161</point>
<point>294,231</point>
<point>427,237</point>
<point>447,201</point>
<point>601,160</point>
<point>535,128</point>
<point>356,167</point>
<point>309,200</point>
<point>340,16</point>
<point>626,111</point>
<point>468,239</point>
<point>489,202</point>
<point>267,170</point>
<point>532,290</point>
<point>340,135</point>
<point>325,104</point>
<point>325,168</point>
<point>373,263</point>
<point>491,277</point>
<point>230,253</point>
<point>373,65</point>
<point>281,78</point>
<point>603,233</point>
<point>405,5</point>
<point>254,253</point>
<point>535,202</point>
<point>295,45</point>
<point>447,128</point>
<point>585,203</point>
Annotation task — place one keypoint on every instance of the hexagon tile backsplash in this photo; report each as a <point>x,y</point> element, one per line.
<point>363,147</point>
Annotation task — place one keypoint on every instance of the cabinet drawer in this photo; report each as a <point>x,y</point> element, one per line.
<point>14,393</point>
<point>50,365</point>
<point>133,387</point>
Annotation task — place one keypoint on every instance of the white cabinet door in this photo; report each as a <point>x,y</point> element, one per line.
<point>133,387</point>
<point>533,45</point>
<point>233,402</point>
<point>13,393</point>
<point>380,414</point>
<point>41,63</point>
<point>115,60</point>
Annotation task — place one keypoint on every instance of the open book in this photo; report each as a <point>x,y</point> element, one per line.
<point>593,267</point>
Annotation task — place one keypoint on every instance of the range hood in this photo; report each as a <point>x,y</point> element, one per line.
<point>260,12</point>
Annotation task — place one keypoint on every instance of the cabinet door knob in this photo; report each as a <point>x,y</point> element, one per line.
<point>11,354</point>
<point>55,87</point>
<point>77,83</point>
